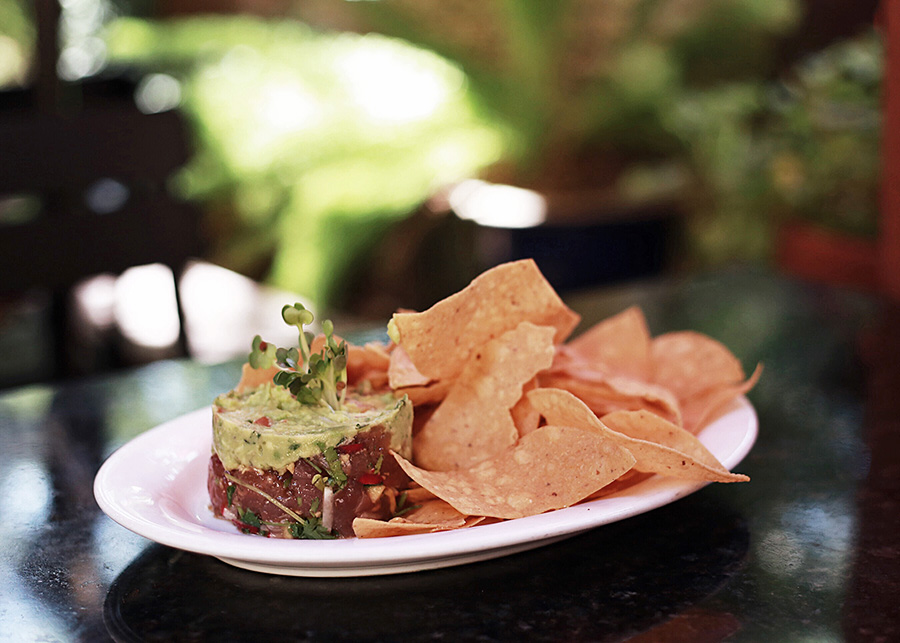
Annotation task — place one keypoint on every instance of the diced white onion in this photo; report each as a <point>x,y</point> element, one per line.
<point>328,508</point>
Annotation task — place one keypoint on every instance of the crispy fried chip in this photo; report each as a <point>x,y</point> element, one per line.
<point>402,372</point>
<point>441,340</point>
<point>474,421</point>
<point>678,454</point>
<point>605,394</point>
<point>690,363</point>
<point>253,377</point>
<point>524,415</point>
<point>620,484</point>
<point>619,344</point>
<point>371,528</point>
<point>510,421</point>
<point>424,395</point>
<point>702,409</point>
<point>417,495</point>
<point>538,474</point>
<point>435,512</point>
<point>431,516</point>
<point>657,445</point>
<point>369,362</point>
<point>371,356</point>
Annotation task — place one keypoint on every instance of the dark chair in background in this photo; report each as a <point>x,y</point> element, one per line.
<point>93,170</point>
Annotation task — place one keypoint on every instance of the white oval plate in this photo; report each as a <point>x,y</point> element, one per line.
<point>155,485</point>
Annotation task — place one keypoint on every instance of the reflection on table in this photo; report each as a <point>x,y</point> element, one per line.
<point>807,549</point>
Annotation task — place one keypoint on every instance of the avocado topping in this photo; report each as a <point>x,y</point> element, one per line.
<point>299,430</point>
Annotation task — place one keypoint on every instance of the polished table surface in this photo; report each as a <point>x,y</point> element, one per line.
<point>809,550</point>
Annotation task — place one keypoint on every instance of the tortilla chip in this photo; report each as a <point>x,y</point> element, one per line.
<point>253,377</point>
<point>677,452</point>
<point>605,394</point>
<point>441,340</point>
<point>524,415</point>
<point>658,446</point>
<point>431,516</point>
<point>371,528</point>
<point>368,363</point>
<point>433,393</point>
<point>550,468</point>
<point>318,343</point>
<point>417,495</point>
<point>619,344</point>
<point>704,408</point>
<point>402,372</point>
<point>620,484</point>
<point>435,512</point>
<point>690,363</point>
<point>474,422</point>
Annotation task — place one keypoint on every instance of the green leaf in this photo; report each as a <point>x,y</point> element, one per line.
<point>249,518</point>
<point>296,315</point>
<point>336,479</point>
<point>402,507</point>
<point>262,354</point>
<point>325,376</point>
<point>310,529</point>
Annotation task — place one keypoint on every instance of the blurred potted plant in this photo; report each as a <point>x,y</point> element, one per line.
<point>825,137</point>
<point>789,169</point>
<point>584,89</point>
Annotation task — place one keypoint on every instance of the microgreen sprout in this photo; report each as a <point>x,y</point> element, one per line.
<point>313,378</point>
<point>262,354</point>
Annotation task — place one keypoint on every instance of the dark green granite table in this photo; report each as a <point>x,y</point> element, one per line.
<point>807,551</point>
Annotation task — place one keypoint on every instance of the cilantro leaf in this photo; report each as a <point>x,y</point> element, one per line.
<point>249,518</point>
<point>310,529</point>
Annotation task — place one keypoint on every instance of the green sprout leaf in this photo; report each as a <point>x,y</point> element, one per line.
<point>262,354</point>
<point>315,379</point>
<point>297,315</point>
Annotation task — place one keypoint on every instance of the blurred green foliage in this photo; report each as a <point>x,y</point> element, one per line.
<point>824,131</point>
<point>582,78</point>
<point>675,99</point>
<point>17,42</point>
<point>803,147</point>
<point>309,144</point>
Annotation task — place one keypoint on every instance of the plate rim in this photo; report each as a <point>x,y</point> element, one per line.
<point>397,553</point>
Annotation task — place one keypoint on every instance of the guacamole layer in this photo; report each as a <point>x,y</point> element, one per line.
<point>265,427</point>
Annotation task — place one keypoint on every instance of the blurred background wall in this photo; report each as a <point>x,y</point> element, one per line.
<point>366,156</point>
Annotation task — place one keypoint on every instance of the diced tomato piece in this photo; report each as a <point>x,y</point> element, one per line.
<point>371,479</point>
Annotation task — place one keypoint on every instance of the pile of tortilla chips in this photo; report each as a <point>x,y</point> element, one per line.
<point>514,418</point>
